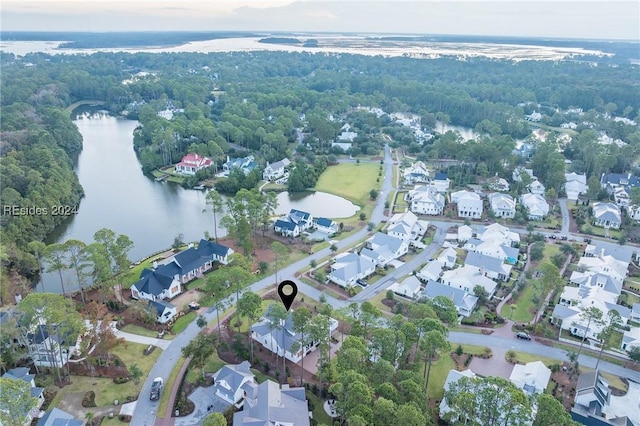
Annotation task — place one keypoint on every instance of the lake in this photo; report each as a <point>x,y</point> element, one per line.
<point>120,197</point>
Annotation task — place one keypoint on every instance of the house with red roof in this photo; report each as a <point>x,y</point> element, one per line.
<point>192,163</point>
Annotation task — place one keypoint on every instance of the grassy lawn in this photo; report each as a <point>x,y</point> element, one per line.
<point>356,180</point>
<point>319,414</point>
<point>111,422</point>
<point>214,363</point>
<point>549,251</point>
<point>164,398</point>
<point>182,322</point>
<point>244,327</point>
<point>525,358</point>
<point>75,105</point>
<point>377,302</point>
<point>439,371</point>
<point>129,354</point>
<point>472,349</point>
<point>136,329</point>
<point>523,305</point>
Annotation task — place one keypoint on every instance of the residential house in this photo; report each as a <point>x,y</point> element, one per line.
<point>441,182</point>
<point>536,187</point>
<point>282,338</point>
<point>606,265</point>
<point>621,197</point>
<point>383,248</point>
<point>57,417</point>
<point>294,223</point>
<point>164,311</point>
<point>426,200</point>
<point>465,233</point>
<point>469,204</point>
<point>466,278</point>
<point>591,404</point>
<point>233,382</point>
<point>502,205</point>
<point>497,183</point>
<point>464,301</point>
<point>274,171</point>
<point>611,181</point>
<point>493,248</point>
<point>349,268</point>
<point>22,373</point>
<point>192,163</point>
<point>532,377</point>
<point>630,338</point>
<point>525,150</point>
<point>410,287</point>
<point>272,404</point>
<point>448,257</point>
<point>606,215</point>
<point>518,171</point>
<point>246,164</point>
<point>533,117</point>
<point>500,233</point>
<point>346,136</point>
<point>431,271</point>
<point>491,267</point>
<point>453,377</point>
<point>343,146</point>
<point>536,206</point>
<point>633,211</point>
<point>214,251</point>
<point>575,185</point>
<point>407,226</point>
<point>154,285</point>
<point>325,225</point>
<point>417,173</point>
<point>50,347</point>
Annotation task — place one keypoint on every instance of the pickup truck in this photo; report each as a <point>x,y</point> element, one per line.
<point>156,389</point>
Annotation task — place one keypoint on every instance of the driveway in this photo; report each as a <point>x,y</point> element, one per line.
<point>205,403</point>
<point>497,365</point>
<point>627,405</point>
<point>566,220</point>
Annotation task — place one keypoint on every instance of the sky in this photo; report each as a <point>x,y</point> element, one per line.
<point>591,19</point>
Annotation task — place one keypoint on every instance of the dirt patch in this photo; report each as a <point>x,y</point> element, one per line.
<point>92,368</point>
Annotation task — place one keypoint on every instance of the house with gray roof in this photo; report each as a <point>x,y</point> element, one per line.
<point>274,171</point>
<point>282,338</point>
<point>410,287</point>
<point>273,405</point>
<point>348,268</point>
<point>464,301</point>
<point>467,278</point>
<point>491,267</point>
<point>383,248</point>
<point>536,205</point>
<point>606,215</point>
<point>57,417</point>
<point>233,382</point>
<point>294,223</point>
<point>407,226</point>
<point>245,165</point>
<point>431,271</point>
<point>453,377</point>
<point>502,205</point>
<point>532,377</point>
<point>418,172</point>
<point>23,374</point>
<point>163,311</point>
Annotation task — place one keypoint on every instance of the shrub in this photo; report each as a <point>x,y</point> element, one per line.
<point>118,380</point>
<point>390,295</point>
<point>468,360</point>
<point>459,350</point>
<point>89,399</point>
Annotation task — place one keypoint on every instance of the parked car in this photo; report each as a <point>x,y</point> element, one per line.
<point>523,335</point>
<point>564,238</point>
<point>194,306</point>
<point>362,282</point>
<point>156,388</point>
<point>552,236</point>
<point>587,240</point>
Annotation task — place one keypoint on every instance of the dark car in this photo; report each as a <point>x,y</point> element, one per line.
<point>552,236</point>
<point>564,238</point>
<point>362,282</point>
<point>522,335</point>
<point>587,240</point>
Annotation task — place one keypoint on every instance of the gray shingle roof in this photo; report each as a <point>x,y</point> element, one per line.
<point>274,406</point>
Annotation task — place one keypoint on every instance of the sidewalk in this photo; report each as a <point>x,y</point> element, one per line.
<point>136,338</point>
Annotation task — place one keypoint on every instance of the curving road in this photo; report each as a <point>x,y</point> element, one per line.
<point>145,411</point>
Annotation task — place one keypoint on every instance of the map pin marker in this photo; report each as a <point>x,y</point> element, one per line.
<point>287,291</point>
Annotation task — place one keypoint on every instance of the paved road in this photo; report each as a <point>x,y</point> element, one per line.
<point>565,216</point>
<point>535,348</point>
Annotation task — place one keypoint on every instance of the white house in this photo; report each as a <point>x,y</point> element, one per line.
<point>417,173</point>
<point>532,377</point>
<point>272,405</point>
<point>502,205</point>
<point>441,182</point>
<point>452,377</point>
<point>275,170</point>
<point>465,302</point>
<point>48,347</point>
<point>500,233</point>
<point>192,163</point>
<point>575,185</point>
<point>349,268</point>
<point>23,374</point>
<point>406,226</point>
<point>466,278</point>
<point>58,417</point>
<point>426,200</point>
<point>606,215</point>
<point>469,204</point>
<point>536,187</point>
<point>621,197</point>
<point>431,271</point>
<point>410,287</point>
<point>491,267</point>
<point>448,257</point>
<point>465,233</point>
<point>233,382</point>
<point>156,285</point>
<point>294,223</point>
<point>383,248</point>
<point>282,339</point>
<point>325,225</point>
<point>534,117</point>
<point>497,183</point>
<point>164,311</point>
<point>633,211</point>
<point>536,206</point>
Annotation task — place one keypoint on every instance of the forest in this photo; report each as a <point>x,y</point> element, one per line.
<point>234,104</point>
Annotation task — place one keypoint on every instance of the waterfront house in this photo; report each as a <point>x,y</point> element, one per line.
<point>294,223</point>
<point>246,165</point>
<point>155,285</point>
<point>274,171</point>
<point>192,163</point>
